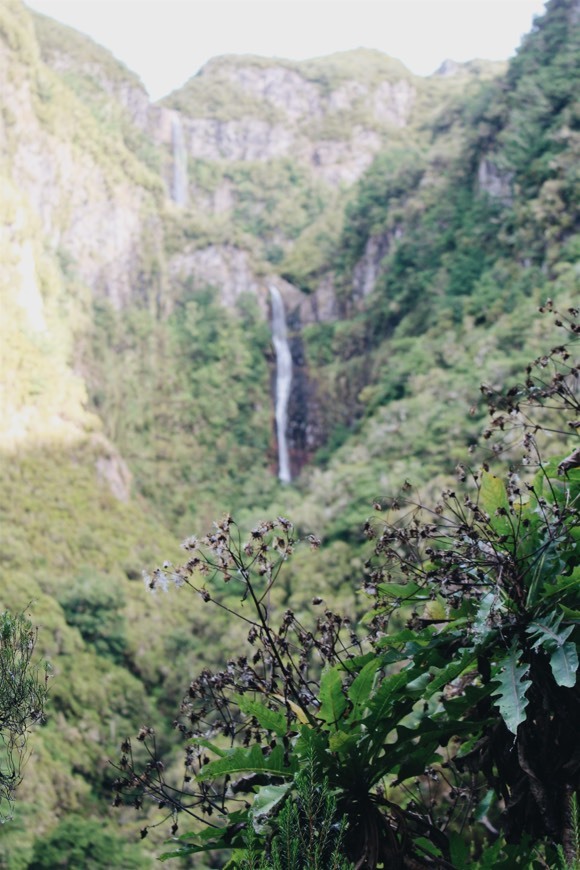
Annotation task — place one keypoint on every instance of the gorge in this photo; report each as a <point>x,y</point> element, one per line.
<point>335,245</point>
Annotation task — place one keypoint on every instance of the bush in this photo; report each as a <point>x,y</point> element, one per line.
<point>442,728</point>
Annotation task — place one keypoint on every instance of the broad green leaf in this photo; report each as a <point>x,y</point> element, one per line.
<point>361,687</point>
<point>459,849</point>
<point>332,699</point>
<point>481,625</point>
<point>426,846</point>
<point>268,797</point>
<point>378,720</point>
<point>341,741</point>
<point>564,664</point>
<point>406,635</point>
<point>511,694</point>
<point>554,640</point>
<point>296,709</point>
<point>545,567</point>
<point>443,676</point>
<point>548,633</point>
<point>250,760</point>
<point>271,720</point>
<point>435,610</point>
<point>201,741</point>
<point>494,501</point>
<point>417,747</point>
<point>209,838</point>
<point>485,805</point>
<point>402,590</point>
<point>418,685</point>
<point>564,584</point>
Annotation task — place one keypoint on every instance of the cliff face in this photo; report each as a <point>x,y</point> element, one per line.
<point>266,149</point>
<point>232,182</point>
<point>298,111</point>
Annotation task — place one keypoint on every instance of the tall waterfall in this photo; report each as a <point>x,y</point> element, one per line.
<point>179,181</point>
<point>283,381</point>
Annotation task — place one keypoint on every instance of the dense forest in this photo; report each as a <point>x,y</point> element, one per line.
<point>375,663</point>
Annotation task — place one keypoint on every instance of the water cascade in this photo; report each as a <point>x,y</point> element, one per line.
<point>283,380</point>
<point>179,182</point>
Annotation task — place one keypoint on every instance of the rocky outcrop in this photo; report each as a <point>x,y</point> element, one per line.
<point>282,88</point>
<point>246,140</point>
<point>293,112</point>
<point>225,267</point>
<point>64,175</point>
<point>493,181</point>
<point>111,468</point>
<point>368,268</point>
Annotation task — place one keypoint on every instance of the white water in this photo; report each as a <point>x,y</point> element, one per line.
<point>179,182</point>
<point>283,381</point>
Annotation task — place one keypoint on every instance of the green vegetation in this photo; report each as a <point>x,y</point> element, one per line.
<point>23,692</point>
<point>139,408</point>
<point>410,716</point>
<point>79,842</point>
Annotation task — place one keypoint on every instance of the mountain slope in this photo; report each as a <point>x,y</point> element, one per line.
<point>412,227</point>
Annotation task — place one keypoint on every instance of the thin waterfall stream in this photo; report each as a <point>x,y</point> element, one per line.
<point>179,181</point>
<point>283,380</point>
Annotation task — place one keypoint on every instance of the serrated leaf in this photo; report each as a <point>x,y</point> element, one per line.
<point>361,688</point>
<point>443,676</point>
<point>548,632</point>
<point>271,720</point>
<point>511,694</point>
<point>554,640</point>
<point>545,568</point>
<point>332,699</point>
<point>207,744</point>
<point>564,664</point>
<point>378,720</point>
<point>481,622</point>
<point>250,760</point>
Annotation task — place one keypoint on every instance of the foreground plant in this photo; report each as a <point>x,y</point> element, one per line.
<point>443,731</point>
<point>23,693</point>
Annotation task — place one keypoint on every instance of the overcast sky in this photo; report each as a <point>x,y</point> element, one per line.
<point>166,41</point>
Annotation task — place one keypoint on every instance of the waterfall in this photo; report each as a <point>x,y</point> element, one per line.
<point>179,182</point>
<point>283,380</point>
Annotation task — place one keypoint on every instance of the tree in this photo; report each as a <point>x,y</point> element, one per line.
<point>80,842</point>
<point>443,726</point>
<point>23,692</point>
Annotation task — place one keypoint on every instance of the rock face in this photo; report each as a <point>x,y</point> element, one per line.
<point>222,266</point>
<point>297,110</point>
<point>367,269</point>
<point>60,165</point>
<point>218,185</point>
<point>493,181</point>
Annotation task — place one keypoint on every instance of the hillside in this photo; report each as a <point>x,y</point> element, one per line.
<point>412,227</point>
